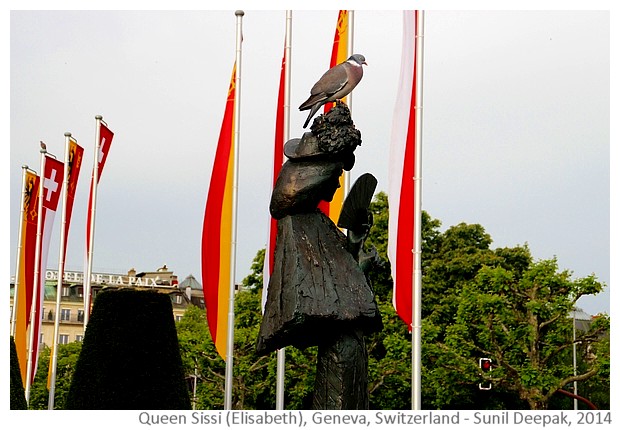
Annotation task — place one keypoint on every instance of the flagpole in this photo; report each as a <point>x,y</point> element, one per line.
<point>19,252</point>
<point>37,279</point>
<point>416,326</point>
<point>61,271</point>
<point>281,353</point>
<point>233,254</point>
<point>91,237</point>
<point>350,19</point>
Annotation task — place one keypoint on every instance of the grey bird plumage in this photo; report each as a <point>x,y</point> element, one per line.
<point>335,84</point>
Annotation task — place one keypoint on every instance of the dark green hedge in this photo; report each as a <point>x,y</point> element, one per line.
<point>130,355</point>
<point>18,396</point>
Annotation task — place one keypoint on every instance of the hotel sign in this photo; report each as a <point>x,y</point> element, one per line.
<point>102,279</point>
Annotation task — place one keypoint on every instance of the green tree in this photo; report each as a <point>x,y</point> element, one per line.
<point>202,364</point>
<point>508,308</point>
<point>130,356</point>
<point>66,360</point>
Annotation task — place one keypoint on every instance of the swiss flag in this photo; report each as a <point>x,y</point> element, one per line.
<point>52,184</point>
<point>105,140</point>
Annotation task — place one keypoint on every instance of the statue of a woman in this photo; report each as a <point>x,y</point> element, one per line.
<point>317,293</point>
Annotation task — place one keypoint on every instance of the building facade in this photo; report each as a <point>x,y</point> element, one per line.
<point>71,313</point>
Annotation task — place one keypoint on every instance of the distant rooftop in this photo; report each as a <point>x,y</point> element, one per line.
<point>191,282</point>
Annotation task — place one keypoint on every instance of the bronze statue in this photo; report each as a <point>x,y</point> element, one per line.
<point>318,293</point>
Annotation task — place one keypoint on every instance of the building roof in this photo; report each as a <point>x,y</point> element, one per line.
<point>191,282</point>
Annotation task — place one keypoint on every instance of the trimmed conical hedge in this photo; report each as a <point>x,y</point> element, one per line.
<point>130,355</point>
<point>18,396</point>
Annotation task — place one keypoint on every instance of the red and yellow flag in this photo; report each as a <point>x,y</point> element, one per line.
<point>73,163</point>
<point>73,168</point>
<point>25,278</point>
<point>401,177</point>
<point>340,53</point>
<point>278,160</point>
<point>217,229</point>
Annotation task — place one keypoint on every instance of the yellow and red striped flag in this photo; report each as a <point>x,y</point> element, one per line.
<point>402,175</point>
<point>340,53</point>
<point>217,229</point>
<point>73,163</point>
<point>73,168</point>
<point>25,279</point>
<point>278,160</point>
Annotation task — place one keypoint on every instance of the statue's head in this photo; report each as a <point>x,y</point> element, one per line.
<point>315,163</point>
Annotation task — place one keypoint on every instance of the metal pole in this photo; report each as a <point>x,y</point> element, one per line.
<point>231,299</point>
<point>281,353</point>
<point>37,280</point>
<point>19,253</point>
<point>347,174</point>
<point>91,239</point>
<point>416,327</point>
<point>61,271</point>
<point>575,401</point>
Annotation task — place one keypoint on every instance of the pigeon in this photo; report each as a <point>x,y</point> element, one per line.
<point>335,84</point>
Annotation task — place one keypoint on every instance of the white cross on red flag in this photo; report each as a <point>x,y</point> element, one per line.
<point>52,184</point>
<point>52,188</point>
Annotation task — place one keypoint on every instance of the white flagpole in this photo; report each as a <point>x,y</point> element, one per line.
<point>416,326</point>
<point>37,279</point>
<point>19,252</point>
<point>91,238</point>
<point>347,174</point>
<point>233,254</point>
<point>281,353</point>
<point>61,271</point>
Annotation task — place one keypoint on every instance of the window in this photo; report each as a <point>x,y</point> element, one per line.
<point>79,337</point>
<point>80,317</point>
<point>80,291</point>
<point>179,299</point>
<point>63,339</point>
<point>43,313</point>
<point>66,291</point>
<point>65,314</point>
<point>178,318</point>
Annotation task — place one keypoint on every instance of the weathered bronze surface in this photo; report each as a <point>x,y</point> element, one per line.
<point>318,293</point>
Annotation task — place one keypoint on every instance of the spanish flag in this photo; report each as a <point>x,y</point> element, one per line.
<point>340,53</point>
<point>401,176</point>
<point>25,280</point>
<point>217,229</point>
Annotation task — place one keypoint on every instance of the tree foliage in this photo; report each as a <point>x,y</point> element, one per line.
<point>130,357</point>
<point>66,359</point>
<point>18,400</point>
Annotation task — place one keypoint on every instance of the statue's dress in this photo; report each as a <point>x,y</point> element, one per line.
<point>317,289</point>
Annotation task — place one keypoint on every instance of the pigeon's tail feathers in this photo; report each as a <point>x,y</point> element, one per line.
<point>312,100</point>
<point>314,110</point>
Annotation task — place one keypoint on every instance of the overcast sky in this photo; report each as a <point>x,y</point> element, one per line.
<point>516,123</point>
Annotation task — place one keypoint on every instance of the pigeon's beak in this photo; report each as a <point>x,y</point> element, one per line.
<point>363,62</point>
